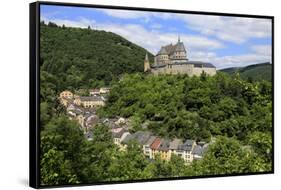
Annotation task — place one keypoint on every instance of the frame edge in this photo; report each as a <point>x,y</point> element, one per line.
<point>33,90</point>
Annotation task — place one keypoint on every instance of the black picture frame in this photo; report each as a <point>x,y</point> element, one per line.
<point>34,89</point>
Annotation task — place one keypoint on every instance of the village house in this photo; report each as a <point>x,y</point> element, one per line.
<point>82,109</point>
<point>90,121</point>
<point>141,137</point>
<point>125,141</point>
<point>154,147</point>
<point>64,101</point>
<point>124,135</point>
<point>66,94</point>
<point>185,150</point>
<point>120,121</point>
<point>104,90</point>
<point>89,101</point>
<point>199,150</point>
<point>163,150</point>
<point>94,92</point>
<point>117,134</point>
<point>146,147</point>
<point>174,145</point>
<point>70,107</point>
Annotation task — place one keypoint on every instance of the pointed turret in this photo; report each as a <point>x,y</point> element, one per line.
<point>146,57</point>
<point>146,63</point>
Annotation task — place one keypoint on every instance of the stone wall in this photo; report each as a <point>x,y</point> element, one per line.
<point>188,69</point>
<point>209,71</point>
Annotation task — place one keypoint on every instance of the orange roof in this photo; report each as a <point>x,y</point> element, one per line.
<point>155,143</point>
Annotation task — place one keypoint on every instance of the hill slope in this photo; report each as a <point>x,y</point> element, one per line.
<point>86,58</point>
<point>262,71</point>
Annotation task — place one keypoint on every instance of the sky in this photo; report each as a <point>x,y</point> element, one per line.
<point>222,41</point>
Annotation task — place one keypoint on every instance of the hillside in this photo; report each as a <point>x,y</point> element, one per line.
<point>262,71</point>
<point>86,58</point>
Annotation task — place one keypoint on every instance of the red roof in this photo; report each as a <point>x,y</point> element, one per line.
<point>155,143</point>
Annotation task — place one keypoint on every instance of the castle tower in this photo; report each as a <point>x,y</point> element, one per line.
<point>179,51</point>
<point>146,63</point>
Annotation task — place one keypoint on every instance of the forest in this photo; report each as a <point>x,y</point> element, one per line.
<point>255,72</point>
<point>234,113</point>
<point>81,58</point>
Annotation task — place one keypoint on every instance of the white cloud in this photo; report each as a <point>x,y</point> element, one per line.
<point>81,23</point>
<point>125,14</point>
<point>153,40</point>
<point>241,60</point>
<point>232,29</point>
<point>262,49</point>
<point>230,61</point>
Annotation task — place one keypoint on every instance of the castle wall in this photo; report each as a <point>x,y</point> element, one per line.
<point>183,69</point>
<point>174,69</point>
<point>180,69</point>
<point>209,71</point>
<point>158,71</point>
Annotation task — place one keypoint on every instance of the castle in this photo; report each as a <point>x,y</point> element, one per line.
<point>172,59</point>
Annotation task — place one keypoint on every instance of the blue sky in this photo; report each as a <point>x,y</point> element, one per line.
<point>223,41</point>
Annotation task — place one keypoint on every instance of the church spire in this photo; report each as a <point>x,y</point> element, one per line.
<point>146,63</point>
<point>146,57</point>
<point>179,38</point>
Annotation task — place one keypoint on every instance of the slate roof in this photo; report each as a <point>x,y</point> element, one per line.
<point>91,98</point>
<point>187,146</point>
<point>170,49</point>
<point>91,120</point>
<point>117,133</point>
<point>124,135</point>
<point>201,64</point>
<point>150,140</point>
<point>127,139</point>
<point>198,150</point>
<point>164,145</point>
<point>158,66</point>
<point>197,64</point>
<point>77,111</point>
<point>179,47</point>
<point>142,136</point>
<point>189,142</point>
<point>175,144</point>
<point>162,51</point>
<point>205,147</point>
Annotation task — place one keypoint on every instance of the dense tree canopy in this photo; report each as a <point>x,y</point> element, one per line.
<point>85,58</point>
<point>256,72</point>
<point>193,107</point>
